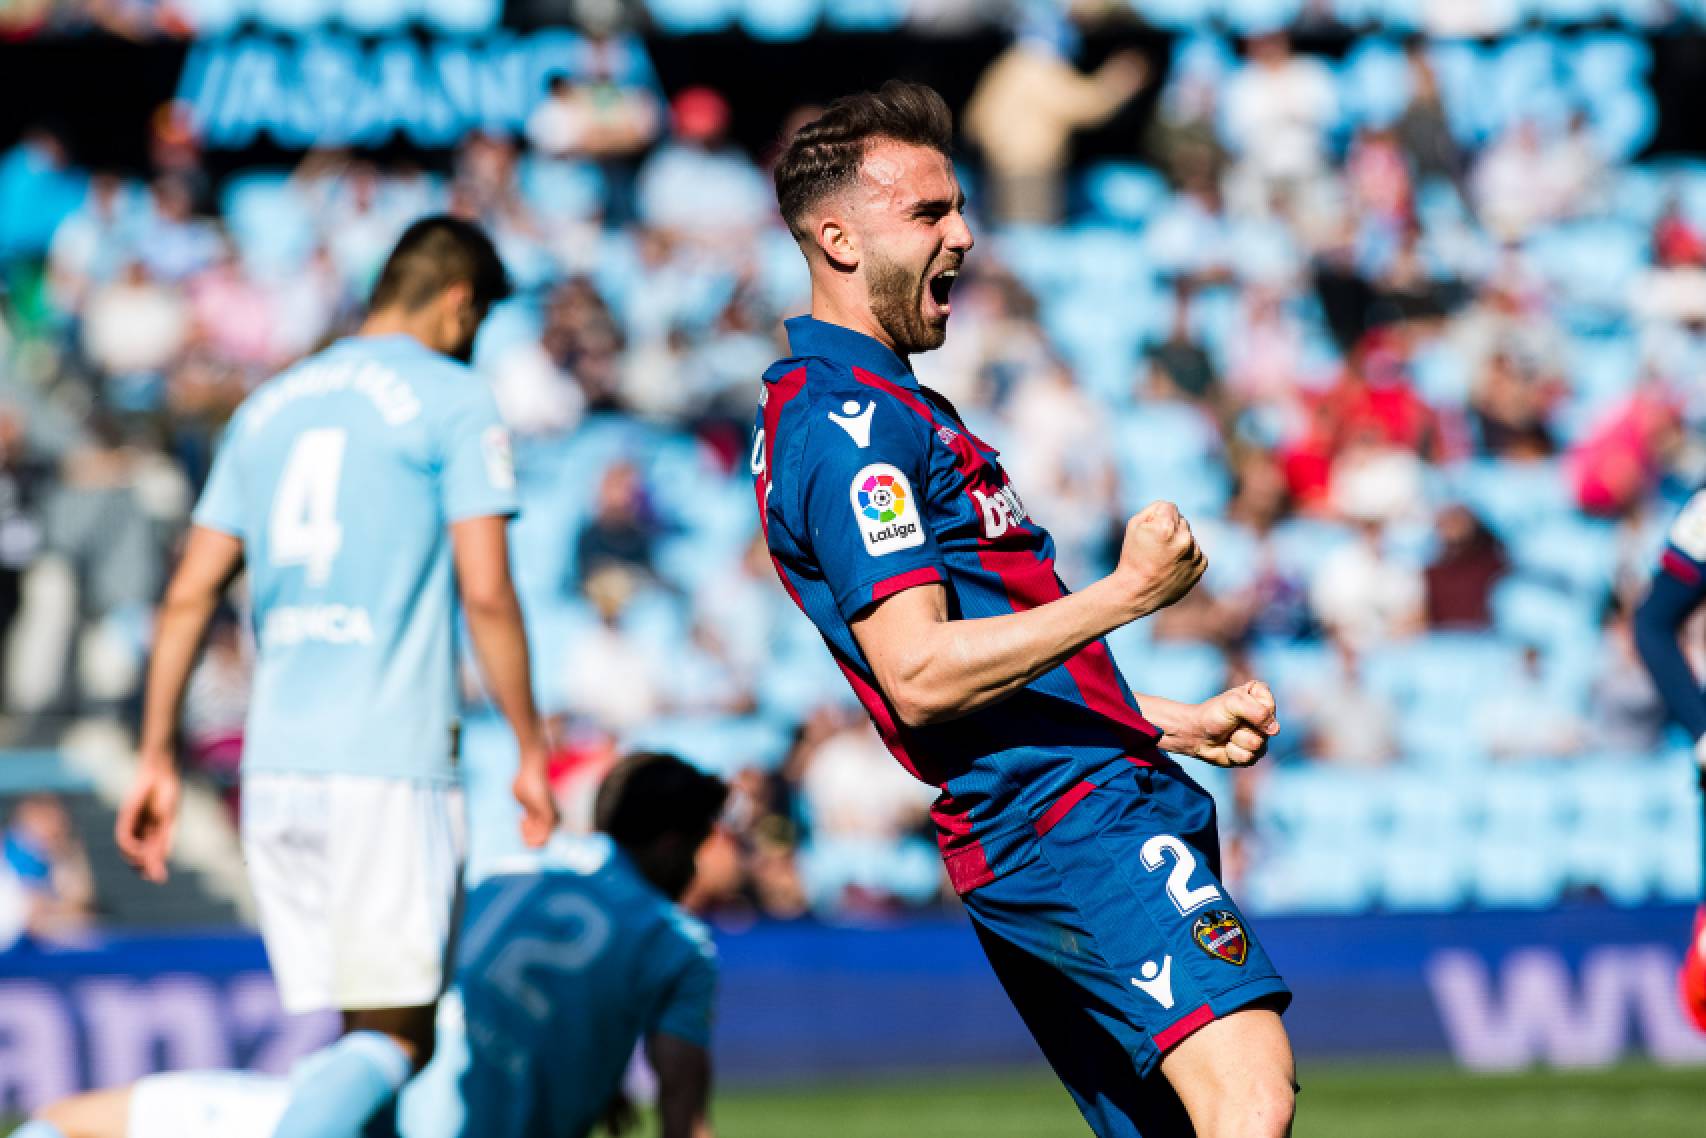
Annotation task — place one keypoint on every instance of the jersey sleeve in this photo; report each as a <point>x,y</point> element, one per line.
<point>1685,546</point>
<point>221,504</point>
<point>1679,588</point>
<point>864,470</point>
<point>687,1009</point>
<point>477,478</point>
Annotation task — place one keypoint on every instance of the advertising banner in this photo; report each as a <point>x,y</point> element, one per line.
<point>1494,991</point>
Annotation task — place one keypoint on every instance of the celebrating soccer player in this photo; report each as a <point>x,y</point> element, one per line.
<point>1087,858</point>
<point>1679,588</point>
<point>364,489</point>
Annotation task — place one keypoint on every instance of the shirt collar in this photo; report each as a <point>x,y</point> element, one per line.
<point>809,336</point>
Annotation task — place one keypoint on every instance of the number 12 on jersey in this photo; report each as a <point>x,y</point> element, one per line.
<point>303,528</point>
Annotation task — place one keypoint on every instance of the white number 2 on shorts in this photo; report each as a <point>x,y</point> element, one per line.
<point>1179,891</point>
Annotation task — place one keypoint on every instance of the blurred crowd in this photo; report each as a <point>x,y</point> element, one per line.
<point>1425,392</point>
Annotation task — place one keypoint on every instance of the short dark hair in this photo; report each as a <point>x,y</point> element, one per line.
<point>650,794</point>
<point>824,155</point>
<point>435,253</point>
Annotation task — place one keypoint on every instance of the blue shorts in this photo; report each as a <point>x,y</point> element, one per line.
<point>1118,941</point>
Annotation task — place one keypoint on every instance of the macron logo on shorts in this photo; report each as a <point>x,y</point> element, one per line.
<point>1156,983</point>
<point>885,509</point>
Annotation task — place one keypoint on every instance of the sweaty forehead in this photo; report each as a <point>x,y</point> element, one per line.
<point>897,174</point>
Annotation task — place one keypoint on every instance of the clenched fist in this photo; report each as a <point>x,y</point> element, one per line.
<point>1160,561</point>
<point>1234,727</point>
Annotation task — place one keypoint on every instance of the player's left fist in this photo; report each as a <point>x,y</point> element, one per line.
<point>1236,725</point>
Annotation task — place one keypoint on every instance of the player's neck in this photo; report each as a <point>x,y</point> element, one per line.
<point>393,322</point>
<point>853,315</point>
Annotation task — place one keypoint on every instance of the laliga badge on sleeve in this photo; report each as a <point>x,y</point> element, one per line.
<point>886,510</point>
<point>1220,933</point>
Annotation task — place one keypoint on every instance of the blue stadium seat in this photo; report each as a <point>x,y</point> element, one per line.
<point>1532,612</point>
<point>1170,451</point>
<point>718,744</point>
<point>910,869</point>
<point>690,17</point>
<point>779,21</point>
<point>559,189</point>
<point>1374,82</point>
<point>1312,880</point>
<point>271,225</point>
<point>1174,669</point>
<point>1418,872</point>
<point>211,18</point>
<point>1293,667</point>
<point>866,15</point>
<point>1517,874</point>
<point>1510,496</point>
<point>1253,17</point>
<point>1577,553</point>
<point>1174,15</point>
<point>1609,63</point>
<point>1123,193</point>
<point>1624,123</point>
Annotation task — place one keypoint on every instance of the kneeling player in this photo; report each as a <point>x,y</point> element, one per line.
<point>567,961</point>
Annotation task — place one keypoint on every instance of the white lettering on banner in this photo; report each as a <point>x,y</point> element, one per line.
<point>38,1046</point>
<point>1002,510</point>
<point>325,624</point>
<point>330,89</point>
<point>133,1027</point>
<point>175,1018</point>
<point>272,1041</point>
<point>1536,1012</point>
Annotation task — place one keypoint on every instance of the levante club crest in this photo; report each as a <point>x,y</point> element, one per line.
<point>1220,934</point>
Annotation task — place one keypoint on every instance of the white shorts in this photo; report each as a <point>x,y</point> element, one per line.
<point>207,1104</point>
<point>356,881</point>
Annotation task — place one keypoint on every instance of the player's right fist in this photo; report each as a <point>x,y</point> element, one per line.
<point>1160,558</point>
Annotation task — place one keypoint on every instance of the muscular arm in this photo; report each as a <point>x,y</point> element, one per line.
<point>1657,622</point>
<point>210,563</point>
<point>684,1086</point>
<point>933,669</point>
<point>147,819</point>
<point>481,549</point>
<point>494,622</point>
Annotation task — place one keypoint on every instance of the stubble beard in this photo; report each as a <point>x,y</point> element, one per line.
<point>897,305</point>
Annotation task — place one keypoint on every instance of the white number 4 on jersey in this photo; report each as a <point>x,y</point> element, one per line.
<point>304,529</point>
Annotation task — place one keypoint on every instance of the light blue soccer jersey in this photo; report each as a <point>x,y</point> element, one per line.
<point>563,968</point>
<point>341,477</point>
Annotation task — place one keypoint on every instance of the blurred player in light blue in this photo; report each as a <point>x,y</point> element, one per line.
<point>365,490</point>
<point>568,959</point>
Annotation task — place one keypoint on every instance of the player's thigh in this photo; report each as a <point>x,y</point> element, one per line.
<point>286,836</point>
<point>396,870</point>
<point>1088,1037</point>
<point>206,1104</point>
<point>1236,1076</point>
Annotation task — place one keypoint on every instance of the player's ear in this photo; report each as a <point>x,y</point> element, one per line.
<point>837,242</point>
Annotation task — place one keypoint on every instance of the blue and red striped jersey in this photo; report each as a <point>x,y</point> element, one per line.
<point>868,484</point>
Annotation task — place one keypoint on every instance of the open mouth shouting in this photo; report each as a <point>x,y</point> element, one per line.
<point>937,290</point>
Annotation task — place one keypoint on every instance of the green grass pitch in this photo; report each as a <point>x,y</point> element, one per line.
<point>1364,1101</point>
<point>1337,1102</point>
